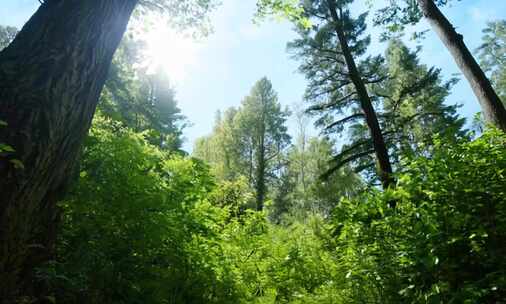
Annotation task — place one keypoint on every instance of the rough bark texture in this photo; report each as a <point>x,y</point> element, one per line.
<point>51,77</point>
<point>491,105</point>
<point>380,149</point>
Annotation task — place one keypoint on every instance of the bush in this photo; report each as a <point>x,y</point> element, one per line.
<point>137,227</point>
<point>444,242</point>
<point>144,226</point>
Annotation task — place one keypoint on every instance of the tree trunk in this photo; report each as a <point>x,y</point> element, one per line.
<point>51,77</point>
<point>491,105</point>
<point>384,166</point>
<point>260,168</point>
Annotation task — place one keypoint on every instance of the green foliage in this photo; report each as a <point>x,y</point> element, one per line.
<point>193,14</point>
<point>397,14</point>
<point>289,9</point>
<point>302,192</point>
<point>248,141</point>
<point>7,151</point>
<point>140,100</point>
<point>136,229</point>
<point>493,55</point>
<point>144,226</point>
<point>443,243</point>
<point>237,196</point>
<point>409,97</point>
<point>280,264</point>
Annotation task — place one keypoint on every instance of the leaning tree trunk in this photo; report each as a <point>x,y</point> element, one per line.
<point>491,105</point>
<point>384,166</point>
<point>51,77</point>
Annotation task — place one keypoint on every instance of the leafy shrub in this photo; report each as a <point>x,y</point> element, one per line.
<point>137,228</point>
<point>144,226</point>
<point>444,243</point>
<point>279,264</point>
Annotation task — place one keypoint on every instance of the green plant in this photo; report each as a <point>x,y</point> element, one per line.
<point>442,244</point>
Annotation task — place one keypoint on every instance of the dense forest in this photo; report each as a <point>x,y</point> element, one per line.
<point>399,198</point>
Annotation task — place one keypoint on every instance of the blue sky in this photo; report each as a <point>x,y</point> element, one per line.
<point>228,62</point>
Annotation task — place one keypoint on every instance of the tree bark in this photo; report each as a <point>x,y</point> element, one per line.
<point>491,105</point>
<point>260,166</point>
<point>384,166</point>
<point>51,77</point>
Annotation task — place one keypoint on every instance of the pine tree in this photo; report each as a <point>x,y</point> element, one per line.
<point>493,55</point>
<point>249,141</point>
<point>413,99</point>
<point>402,12</point>
<point>329,52</point>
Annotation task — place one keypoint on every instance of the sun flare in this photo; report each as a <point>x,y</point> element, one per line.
<point>172,51</point>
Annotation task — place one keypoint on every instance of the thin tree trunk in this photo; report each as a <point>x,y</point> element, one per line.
<point>491,105</point>
<point>260,168</point>
<point>383,160</point>
<point>302,136</point>
<point>250,153</point>
<point>51,77</point>
<point>303,165</point>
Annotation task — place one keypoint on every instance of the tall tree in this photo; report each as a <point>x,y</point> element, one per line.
<point>264,121</point>
<point>409,97</point>
<point>165,116</point>
<point>300,190</point>
<point>248,141</point>
<point>407,11</point>
<point>338,17</point>
<point>411,101</point>
<point>52,74</point>
<point>414,104</point>
<point>228,156</point>
<point>329,51</point>
<point>493,55</point>
<point>301,141</point>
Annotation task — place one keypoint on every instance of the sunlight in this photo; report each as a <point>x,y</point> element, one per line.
<point>260,151</point>
<point>173,52</point>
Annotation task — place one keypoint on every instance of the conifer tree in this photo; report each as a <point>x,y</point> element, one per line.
<point>414,104</point>
<point>251,139</point>
<point>493,55</point>
<point>330,51</point>
<point>401,12</point>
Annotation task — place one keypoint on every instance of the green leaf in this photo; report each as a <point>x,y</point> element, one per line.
<point>6,148</point>
<point>17,164</point>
